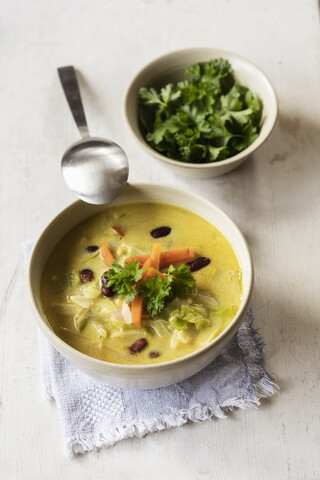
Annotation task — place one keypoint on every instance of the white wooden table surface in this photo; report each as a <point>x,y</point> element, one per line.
<point>274,198</point>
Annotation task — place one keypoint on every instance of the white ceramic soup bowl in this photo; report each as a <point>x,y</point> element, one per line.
<point>140,376</point>
<point>169,68</point>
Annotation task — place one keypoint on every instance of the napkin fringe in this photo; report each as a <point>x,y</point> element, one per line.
<point>265,388</point>
<point>80,444</point>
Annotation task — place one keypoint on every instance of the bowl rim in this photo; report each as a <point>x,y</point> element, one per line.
<point>177,163</point>
<point>92,361</point>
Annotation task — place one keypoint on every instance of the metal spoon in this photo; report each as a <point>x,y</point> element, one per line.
<point>96,169</point>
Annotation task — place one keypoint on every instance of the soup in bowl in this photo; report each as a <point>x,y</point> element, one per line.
<point>143,292</point>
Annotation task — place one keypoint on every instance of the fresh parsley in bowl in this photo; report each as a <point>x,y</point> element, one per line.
<point>200,111</point>
<point>207,117</point>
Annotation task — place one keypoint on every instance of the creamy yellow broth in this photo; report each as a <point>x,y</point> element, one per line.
<point>92,323</point>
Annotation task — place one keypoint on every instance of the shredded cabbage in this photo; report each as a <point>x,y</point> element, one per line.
<point>175,304</point>
<point>104,306</point>
<point>182,336</point>
<point>91,290</point>
<point>126,313</point>
<point>102,332</point>
<point>81,300</point>
<point>186,316</point>
<point>80,320</point>
<point>85,295</point>
<point>161,327</point>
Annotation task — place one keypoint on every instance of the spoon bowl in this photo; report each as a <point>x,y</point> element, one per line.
<point>96,169</point>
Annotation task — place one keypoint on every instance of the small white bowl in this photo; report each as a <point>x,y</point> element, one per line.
<point>169,68</point>
<point>140,376</point>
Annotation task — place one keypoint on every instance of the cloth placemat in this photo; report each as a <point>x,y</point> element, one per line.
<point>95,415</point>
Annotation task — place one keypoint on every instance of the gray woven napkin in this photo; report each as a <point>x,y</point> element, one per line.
<point>95,415</point>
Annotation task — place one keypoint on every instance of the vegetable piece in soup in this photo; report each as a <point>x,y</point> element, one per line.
<point>125,296</point>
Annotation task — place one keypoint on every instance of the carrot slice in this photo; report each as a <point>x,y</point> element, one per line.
<point>136,310</point>
<point>155,255</point>
<point>152,272</point>
<point>147,263</point>
<point>106,253</point>
<point>140,258</point>
<point>137,304</point>
<point>167,257</point>
<point>146,266</point>
<point>175,256</point>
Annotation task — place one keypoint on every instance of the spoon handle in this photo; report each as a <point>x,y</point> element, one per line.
<point>70,86</point>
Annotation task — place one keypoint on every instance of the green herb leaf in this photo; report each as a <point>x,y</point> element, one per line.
<point>155,291</point>
<point>122,279</point>
<point>149,97</point>
<point>182,281</point>
<point>207,118</point>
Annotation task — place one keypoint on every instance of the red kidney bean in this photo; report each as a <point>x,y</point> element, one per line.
<point>105,290</point>
<point>104,278</point>
<point>138,345</point>
<point>160,232</point>
<point>198,263</point>
<point>86,275</point>
<point>154,354</point>
<point>92,248</point>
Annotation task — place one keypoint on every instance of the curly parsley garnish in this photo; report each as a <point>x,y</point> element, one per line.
<point>157,291</point>
<point>122,279</point>
<point>182,281</point>
<point>207,118</point>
